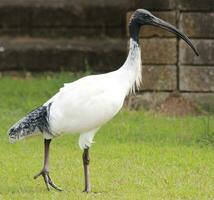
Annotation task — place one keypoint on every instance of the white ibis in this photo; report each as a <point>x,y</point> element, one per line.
<point>83,106</point>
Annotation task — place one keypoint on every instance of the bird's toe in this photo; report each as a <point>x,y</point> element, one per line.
<point>47,179</point>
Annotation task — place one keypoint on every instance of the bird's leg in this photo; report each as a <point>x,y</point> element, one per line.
<point>86,160</point>
<point>45,170</point>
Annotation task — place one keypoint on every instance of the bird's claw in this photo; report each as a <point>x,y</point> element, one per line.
<point>47,180</point>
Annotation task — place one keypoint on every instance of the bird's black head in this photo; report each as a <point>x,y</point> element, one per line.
<point>143,17</point>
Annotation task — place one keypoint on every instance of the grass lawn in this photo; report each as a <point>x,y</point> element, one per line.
<point>138,155</point>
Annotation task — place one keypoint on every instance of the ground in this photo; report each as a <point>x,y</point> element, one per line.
<point>138,155</point>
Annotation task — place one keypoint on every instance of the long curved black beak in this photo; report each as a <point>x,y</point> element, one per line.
<point>160,23</point>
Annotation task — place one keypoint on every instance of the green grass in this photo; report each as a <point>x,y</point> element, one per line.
<point>138,155</point>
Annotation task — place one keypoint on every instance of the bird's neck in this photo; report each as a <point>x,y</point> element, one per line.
<point>134,29</point>
<point>130,73</point>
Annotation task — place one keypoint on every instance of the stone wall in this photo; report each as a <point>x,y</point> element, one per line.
<point>38,35</point>
<point>169,64</point>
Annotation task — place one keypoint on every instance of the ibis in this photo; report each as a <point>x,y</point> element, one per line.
<point>83,106</point>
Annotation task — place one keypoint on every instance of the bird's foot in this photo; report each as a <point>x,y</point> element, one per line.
<point>47,179</point>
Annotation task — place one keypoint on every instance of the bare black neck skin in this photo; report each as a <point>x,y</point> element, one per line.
<point>134,29</point>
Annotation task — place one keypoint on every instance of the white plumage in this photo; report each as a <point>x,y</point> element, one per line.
<point>85,105</point>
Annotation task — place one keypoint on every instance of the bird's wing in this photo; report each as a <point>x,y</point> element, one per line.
<point>84,104</point>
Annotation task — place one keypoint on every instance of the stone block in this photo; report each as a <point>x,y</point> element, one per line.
<point>159,78</point>
<point>99,17</point>
<point>151,31</point>
<point>205,100</point>
<point>159,51</point>
<point>195,5</point>
<point>35,54</point>
<point>146,100</point>
<point>66,3</point>
<point>195,78</point>
<point>65,32</point>
<point>197,24</point>
<point>152,100</point>
<point>155,4</point>
<point>205,48</point>
<point>43,17</point>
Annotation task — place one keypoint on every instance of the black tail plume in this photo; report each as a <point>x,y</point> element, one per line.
<point>34,122</point>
